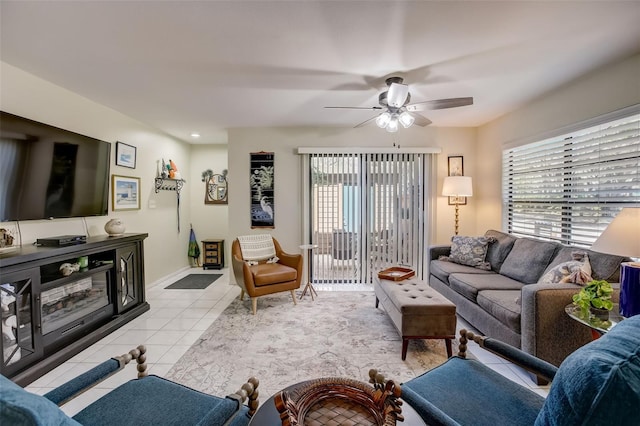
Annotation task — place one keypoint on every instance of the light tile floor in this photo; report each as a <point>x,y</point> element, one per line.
<point>175,321</point>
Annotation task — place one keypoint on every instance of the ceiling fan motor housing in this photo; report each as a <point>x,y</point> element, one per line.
<point>382,100</point>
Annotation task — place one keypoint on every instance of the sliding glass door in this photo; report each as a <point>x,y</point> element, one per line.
<point>366,213</point>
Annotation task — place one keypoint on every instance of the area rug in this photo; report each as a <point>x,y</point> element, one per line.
<point>339,334</point>
<point>194,282</point>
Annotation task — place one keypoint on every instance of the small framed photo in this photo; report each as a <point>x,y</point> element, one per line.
<point>125,155</point>
<point>125,193</point>
<point>456,167</point>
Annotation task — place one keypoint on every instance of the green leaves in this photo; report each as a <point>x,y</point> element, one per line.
<point>596,293</point>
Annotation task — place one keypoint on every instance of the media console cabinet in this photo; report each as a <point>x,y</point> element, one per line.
<point>48,317</point>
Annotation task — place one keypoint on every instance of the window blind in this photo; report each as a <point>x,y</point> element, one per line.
<point>569,188</point>
<point>366,213</point>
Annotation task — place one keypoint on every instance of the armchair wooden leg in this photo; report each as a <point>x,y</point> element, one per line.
<point>241,295</point>
<point>293,295</point>
<point>254,305</point>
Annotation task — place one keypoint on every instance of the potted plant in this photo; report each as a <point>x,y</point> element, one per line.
<point>595,299</point>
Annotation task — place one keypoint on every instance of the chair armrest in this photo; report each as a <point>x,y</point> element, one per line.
<point>97,374</point>
<point>441,250</point>
<point>292,260</point>
<point>527,361</point>
<point>547,332</point>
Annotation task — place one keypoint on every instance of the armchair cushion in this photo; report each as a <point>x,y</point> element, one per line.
<point>19,407</point>
<point>599,382</point>
<point>272,273</point>
<point>157,401</point>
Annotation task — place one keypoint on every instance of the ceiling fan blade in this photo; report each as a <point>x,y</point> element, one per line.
<point>365,122</point>
<point>440,104</point>
<point>342,107</point>
<point>421,120</point>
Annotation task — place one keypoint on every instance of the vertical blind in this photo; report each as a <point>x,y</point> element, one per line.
<point>367,213</point>
<point>569,188</point>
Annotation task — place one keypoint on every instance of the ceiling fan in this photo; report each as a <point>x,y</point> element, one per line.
<point>396,109</point>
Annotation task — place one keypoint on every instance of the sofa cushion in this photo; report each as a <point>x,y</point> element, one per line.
<point>470,251</point>
<point>498,250</point>
<point>442,269</point>
<point>19,407</point>
<point>469,285</point>
<point>528,259</point>
<point>502,305</point>
<point>603,266</point>
<point>599,383</point>
<point>576,271</point>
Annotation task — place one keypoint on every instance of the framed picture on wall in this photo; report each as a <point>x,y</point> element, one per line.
<point>125,155</point>
<point>125,193</point>
<point>456,166</point>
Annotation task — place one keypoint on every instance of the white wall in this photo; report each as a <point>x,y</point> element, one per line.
<point>600,92</point>
<point>288,165</point>
<point>210,221</point>
<point>165,250</point>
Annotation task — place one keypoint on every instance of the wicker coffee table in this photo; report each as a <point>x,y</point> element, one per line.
<point>327,402</point>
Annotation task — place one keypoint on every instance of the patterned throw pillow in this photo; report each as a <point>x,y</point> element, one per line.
<point>470,251</point>
<point>577,271</point>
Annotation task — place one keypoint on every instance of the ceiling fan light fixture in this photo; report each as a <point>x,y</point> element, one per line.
<point>383,120</point>
<point>392,127</point>
<point>406,119</point>
<point>397,95</point>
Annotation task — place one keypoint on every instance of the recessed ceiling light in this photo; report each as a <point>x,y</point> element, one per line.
<point>195,135</point>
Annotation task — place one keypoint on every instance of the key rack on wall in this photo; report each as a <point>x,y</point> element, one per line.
<point>167,184</point>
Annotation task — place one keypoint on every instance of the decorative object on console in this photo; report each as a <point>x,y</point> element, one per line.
<point>114,227</point>
<point>69,268</point>
<point>622,237</point>
<point>125,155</point>
<point>6,239</point>
<point>457,187</point>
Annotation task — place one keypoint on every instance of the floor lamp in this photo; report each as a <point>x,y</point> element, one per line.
<point>457,187</point>
<point>622,237</point>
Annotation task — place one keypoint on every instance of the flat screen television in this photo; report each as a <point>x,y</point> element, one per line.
<point>47,172</point>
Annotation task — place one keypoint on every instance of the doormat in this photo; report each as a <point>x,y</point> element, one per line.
<point>194,282</point>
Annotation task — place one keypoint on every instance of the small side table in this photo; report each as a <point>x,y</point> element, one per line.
<point>598,327</point>
<point>309,251</point>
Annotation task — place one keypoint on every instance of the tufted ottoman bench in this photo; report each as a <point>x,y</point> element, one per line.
<point>417,311</point>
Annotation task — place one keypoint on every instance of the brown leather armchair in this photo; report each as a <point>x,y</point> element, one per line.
<point>266,278</point>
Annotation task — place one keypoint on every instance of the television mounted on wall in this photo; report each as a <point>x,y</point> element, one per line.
<point>47,172</point>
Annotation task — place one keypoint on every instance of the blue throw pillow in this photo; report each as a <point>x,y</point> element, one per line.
<point>599,383</point>
<point>19,407</point>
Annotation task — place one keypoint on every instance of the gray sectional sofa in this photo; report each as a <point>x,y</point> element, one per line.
<point>507,303</point>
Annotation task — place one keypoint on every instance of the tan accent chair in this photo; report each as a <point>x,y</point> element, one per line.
<point>266,278</point>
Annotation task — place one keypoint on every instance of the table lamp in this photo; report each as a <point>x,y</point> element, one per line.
<point>457,186</point>
<point>622,237</point>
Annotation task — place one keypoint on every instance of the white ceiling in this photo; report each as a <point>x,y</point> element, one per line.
<point>207,66</point>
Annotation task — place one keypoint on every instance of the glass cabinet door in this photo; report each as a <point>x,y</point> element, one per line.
<point>20,342</point>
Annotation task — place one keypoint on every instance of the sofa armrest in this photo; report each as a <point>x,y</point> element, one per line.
<point>440,250</point>
<point>547,331</point>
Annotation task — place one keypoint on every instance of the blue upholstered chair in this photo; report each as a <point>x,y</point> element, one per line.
<point>599,384</point>
<point>147,400</point>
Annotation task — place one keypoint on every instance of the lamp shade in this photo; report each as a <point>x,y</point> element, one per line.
<point>622,236</point>
<point>457,186</point>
